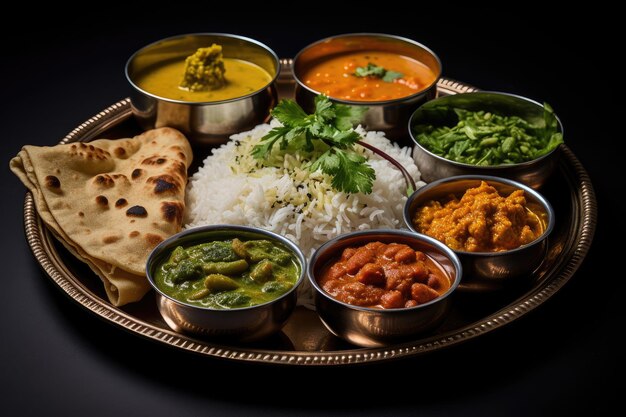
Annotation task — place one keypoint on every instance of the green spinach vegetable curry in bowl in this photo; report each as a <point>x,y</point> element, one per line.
<point>226,281</point>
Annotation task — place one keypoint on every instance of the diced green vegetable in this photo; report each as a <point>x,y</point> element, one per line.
<point>185,270</point>
<point>232,299</point>
<point>262,272</point>
<point>199,295</point>
<point>226,268</point>
<point>178,255</point>
<point>239,248</point>
<point>218,282</point>
<point>275,287</point>
<point>258,249</point>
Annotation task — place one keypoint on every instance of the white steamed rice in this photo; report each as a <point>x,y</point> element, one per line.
<point>230,188</point>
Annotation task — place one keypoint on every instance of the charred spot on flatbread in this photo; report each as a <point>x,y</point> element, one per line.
<point>153,239</point>
<point>121,203</point>
<point>102,201</point>
<point>104,181</point>
<point>154,160</point>
<point>134,233</point>
<point>179,152</point>
<point>89,152</point>
<point>137,211</point>
<point>110,239</point>
<point>120,180</point>
<point>164,183</point>
<point>172,211</point>
<point>136,173</point>
<point>119,152</point>
<point>53,182</point>
<point>181,168</point>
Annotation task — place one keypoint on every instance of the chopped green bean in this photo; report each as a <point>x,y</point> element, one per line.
<point>485,138</point>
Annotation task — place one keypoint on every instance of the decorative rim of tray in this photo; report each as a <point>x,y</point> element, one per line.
<point>41,244</point>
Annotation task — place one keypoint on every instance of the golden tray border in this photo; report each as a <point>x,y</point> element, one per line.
<point>40,241</point>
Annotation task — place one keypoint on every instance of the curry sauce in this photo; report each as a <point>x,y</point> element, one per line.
<point>379,275</point>
<point>228,274</point>
<point>240,79</point>
<point>481,220</point>
<point>338,76</point>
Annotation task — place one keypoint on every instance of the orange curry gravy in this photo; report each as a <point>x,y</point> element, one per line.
<point>335,76</point>
<point>481,221</point>
<point>383,275</point>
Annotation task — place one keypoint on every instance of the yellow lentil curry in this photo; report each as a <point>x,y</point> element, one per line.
<point>481,221</point>
<point>204,76</point>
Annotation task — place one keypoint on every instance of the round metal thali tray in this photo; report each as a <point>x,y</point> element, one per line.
<point>304,340</point>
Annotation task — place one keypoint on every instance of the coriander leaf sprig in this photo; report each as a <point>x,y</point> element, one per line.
<point>376,71</point>
<point>330,124</point>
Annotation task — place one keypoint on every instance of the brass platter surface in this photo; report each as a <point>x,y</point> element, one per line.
<point>304,340</point>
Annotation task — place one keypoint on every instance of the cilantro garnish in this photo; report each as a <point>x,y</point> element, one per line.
<point>373,70</point>
<point>330,124</point>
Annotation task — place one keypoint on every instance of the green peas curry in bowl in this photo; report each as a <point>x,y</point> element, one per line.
<point>226,281</point>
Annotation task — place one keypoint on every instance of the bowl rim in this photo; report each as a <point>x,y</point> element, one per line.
<point>201,34</point>
<point>446,251</point>
<point>370,34</point>
<point>487,178</point>
<point>296,251</point>
<point>483,167</point>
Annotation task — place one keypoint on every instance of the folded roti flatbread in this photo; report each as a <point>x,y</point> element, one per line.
<point>110,202</point>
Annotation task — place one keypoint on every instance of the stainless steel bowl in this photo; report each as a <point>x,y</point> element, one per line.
<point>205,123</point>
<point>243,324</point>
<point>433,167</point>
<point>488,271</point>
<point>372,327</point>
<point>388,116</point>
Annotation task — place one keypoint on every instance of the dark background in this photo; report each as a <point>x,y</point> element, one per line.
<point>57,359</point>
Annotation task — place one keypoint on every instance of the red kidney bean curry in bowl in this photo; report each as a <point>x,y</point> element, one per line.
<point>379,275</point>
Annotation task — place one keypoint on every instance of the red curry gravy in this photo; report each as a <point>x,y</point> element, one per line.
<point>336,77</point>
<point>380,275</point>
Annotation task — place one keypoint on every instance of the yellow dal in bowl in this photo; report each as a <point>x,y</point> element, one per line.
<point>242,78</point>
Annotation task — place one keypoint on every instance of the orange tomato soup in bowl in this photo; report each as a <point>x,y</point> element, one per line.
<point>369,75</point>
